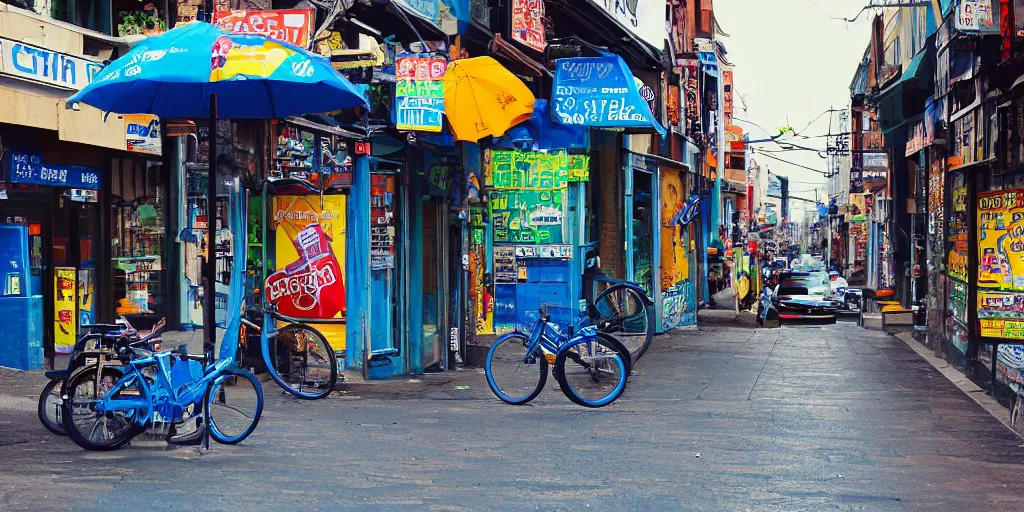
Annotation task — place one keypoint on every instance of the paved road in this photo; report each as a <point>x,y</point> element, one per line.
<point>724,418</point>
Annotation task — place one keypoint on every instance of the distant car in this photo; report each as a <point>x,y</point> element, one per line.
<point>805,296</point>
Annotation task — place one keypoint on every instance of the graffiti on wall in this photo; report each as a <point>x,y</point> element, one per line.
<point>677,289</point>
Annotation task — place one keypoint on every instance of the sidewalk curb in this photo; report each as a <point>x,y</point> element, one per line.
<point>991,405</point>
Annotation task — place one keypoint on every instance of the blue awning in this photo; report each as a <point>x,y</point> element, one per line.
<point>708,62</point>
<point>600,92</point>
<point>541,131</point>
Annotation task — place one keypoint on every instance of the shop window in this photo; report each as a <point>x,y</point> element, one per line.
<point>138,244</point>
<point>90,14</point>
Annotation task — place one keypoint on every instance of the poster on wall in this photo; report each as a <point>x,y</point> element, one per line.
<point>64,305</point>
<point>527,26</point>
<point>527,204</point>
<point>419,93</point>
<point>956,259</point>
<point>142,133</point>
<point>1001,263</point>
<point>310,258</point>
<point>86,296</point>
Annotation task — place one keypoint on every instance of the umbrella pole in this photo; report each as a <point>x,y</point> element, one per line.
<point>210,270</point>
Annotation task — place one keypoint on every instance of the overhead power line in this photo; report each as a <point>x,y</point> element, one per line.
<point>792,163</point>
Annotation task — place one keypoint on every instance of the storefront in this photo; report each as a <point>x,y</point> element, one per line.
<point>322,209</point>
<point>93,226</point>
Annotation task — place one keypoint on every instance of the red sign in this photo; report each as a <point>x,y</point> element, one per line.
<point>527,27</point>
<point>293,26</point>
<point>313,286</point>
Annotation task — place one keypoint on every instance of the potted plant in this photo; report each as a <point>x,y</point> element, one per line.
<point>145,22</point>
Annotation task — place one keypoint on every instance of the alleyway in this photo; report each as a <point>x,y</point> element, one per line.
<point>724,418</point>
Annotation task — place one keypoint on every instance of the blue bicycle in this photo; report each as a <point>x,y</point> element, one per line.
<point>108,405</point>
<point>590,367</point>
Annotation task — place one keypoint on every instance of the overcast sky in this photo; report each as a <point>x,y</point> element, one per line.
<point>792,62</point>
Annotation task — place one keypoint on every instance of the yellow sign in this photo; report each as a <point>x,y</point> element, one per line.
<point>64,305</point>
<point>310,284</point>
<point>996,328</point>
<point>1001,240</point>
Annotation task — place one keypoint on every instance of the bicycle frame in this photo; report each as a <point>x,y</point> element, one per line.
<point>552,341</point>
<point>162,391</point>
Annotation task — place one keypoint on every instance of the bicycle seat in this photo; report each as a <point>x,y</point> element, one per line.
<point>57,374</point>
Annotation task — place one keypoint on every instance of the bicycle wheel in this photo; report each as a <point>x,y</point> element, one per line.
<point>592,371</point>
<point>234,403</point>
<point>95,430</point>
<point>302,362</point>
<point>513,375</point>
<point>51,408</point>
<point>622,312</point>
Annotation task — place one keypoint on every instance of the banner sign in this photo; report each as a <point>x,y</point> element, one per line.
<point>527,27</point>
<point>419,93</point>
<point>142,133</point>
<point>293,26</point>
<point>28,168</point>
<point>600,92</point>
<point>44,66</point>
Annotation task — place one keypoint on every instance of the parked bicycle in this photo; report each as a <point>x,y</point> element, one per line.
<point>619,308</point>
<point>590,367</point>
<point>298,357</point>
<point>100,342</point>
<point>107,407</point>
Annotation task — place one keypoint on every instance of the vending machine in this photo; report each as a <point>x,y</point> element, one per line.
<point>21,334</point>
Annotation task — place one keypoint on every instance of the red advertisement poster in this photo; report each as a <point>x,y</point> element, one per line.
<point>293,26</point>
<point>312,239</point>
<point>527,27</point>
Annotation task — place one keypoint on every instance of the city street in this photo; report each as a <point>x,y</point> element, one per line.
<point>721,418</point>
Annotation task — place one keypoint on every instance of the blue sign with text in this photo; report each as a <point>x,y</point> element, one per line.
<point>29,169</point>
<point>600,92</point>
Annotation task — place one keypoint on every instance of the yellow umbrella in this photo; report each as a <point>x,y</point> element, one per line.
<point>483,98</point>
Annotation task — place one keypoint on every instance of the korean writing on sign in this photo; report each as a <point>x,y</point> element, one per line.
<point>419,93</point>
<point>598,91</point>
<point>29,169</point>
<point>37,64</point>
<point>527,27</point>
<point>289,25</point>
